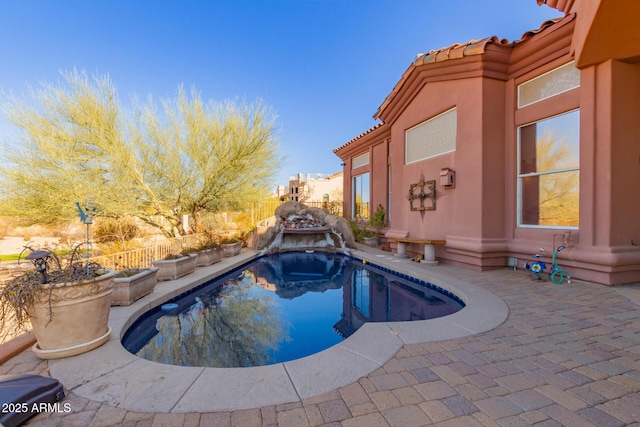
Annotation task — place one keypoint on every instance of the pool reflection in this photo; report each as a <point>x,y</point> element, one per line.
<point>280,307</point>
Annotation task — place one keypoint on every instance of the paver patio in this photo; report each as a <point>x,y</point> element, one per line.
<point>567,355</point>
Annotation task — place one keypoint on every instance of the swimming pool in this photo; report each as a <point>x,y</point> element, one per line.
<point>281,307</point>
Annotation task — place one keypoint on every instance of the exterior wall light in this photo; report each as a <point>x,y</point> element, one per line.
<point>448,178</point>
<point>39,260</point>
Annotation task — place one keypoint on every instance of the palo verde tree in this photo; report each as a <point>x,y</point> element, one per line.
<point>188,157</point>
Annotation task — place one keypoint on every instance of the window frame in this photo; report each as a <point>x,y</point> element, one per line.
<point>520,176</point>
<point>453,109</point>
<point>354,194</point>
<point>360,160</point>
<point>520,85</point>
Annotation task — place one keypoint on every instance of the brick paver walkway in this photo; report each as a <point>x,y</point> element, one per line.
<point>568,355</point>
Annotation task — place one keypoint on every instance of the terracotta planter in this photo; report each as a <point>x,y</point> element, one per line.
<point>208,257</point>
<point>171,269</point>
<point>127,290</point>
<point>79,321</point>
<point>231,249</point>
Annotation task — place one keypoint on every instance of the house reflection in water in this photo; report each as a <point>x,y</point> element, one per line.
<point>369,295</point>
<point>372,296</point>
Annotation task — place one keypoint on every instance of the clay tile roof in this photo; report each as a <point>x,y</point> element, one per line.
<point>455,51</point>
<point>543,26</point>
<point>473,47</point>
<point>470,48</point>
<point>561,5</point>
<point>359,136</point>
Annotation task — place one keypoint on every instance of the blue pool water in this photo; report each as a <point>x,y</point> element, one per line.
<point>281,307</point>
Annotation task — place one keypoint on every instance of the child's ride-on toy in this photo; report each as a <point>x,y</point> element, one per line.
<point>537,267</point>
<point>556,274</point>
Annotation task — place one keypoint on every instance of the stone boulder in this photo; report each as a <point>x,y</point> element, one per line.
<point>288,209</point>
<point>341,227</point>
<point>266,231</point>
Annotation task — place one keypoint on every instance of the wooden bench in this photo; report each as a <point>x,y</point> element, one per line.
<point>429,248</point>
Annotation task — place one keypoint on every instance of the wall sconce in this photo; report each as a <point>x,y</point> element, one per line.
<point>448,178</point>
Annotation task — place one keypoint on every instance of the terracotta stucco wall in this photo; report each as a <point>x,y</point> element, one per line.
<point>379,180</point>
<point>625,157</point>
<point>456,209</point>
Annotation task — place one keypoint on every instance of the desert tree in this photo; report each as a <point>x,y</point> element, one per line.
<point>157,164</point>
<point>67,136</point>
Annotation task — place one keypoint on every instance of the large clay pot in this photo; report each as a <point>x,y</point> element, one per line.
<point>127,290</point>
<point>78,321</point>
<point>171,269</point>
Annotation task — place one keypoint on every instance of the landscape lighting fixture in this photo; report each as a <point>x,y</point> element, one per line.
<point>39,260</point>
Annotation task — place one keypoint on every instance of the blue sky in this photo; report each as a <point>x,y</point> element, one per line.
<point>323,65</point>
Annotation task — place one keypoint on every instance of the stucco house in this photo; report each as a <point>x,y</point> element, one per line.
<point>315,190</point>
<point>500,148</point>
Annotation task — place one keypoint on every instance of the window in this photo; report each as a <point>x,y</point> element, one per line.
<point>360,191</point>
<point>549,84</point>
<point>549,171</point>
<point>361,160</point>
<point>431,138</point>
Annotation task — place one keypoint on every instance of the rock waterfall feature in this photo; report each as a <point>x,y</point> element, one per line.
<point>296,226</point>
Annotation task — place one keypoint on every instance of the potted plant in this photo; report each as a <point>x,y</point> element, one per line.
<point>362,234</point>
<point>231,246</point>
<point>132,284</point>
<point>208,255</point>
<point>175,266</point>
<point>68,308</point>
<point>208,252</point>
<point>378,222</point>
<point>370,240</point>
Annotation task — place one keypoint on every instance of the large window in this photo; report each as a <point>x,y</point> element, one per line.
<point>432,138</point>
<point>360,191</point>
<point>548,171</point>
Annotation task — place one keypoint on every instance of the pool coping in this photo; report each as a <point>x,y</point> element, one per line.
<point>112,375</point>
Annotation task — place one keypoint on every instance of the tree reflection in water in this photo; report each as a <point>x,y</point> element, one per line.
<point>281,307</point>
<point>237,326</point>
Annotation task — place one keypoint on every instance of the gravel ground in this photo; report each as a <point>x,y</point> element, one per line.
<point>14,244</point>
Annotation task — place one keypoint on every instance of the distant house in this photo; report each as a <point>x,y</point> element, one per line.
<point>305,189</point>
<point>500,147</point>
